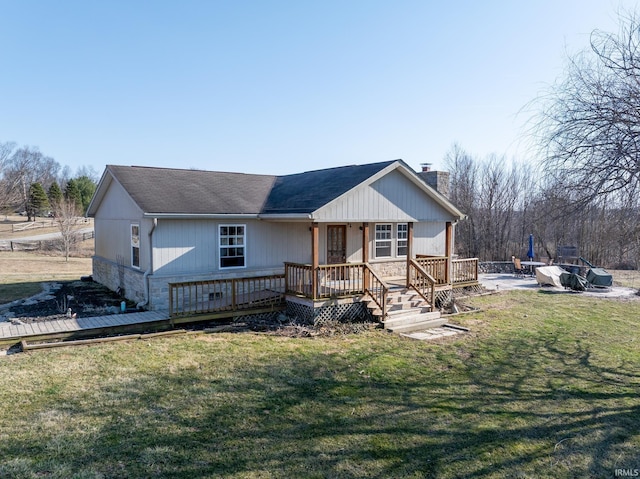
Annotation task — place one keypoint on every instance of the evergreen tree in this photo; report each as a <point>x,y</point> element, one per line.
<point>55,195</point>
<point>38,201</point>
<point>86,187</point>
<point>72,193</point>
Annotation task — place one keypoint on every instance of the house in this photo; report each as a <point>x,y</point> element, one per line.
<point>167,237</point>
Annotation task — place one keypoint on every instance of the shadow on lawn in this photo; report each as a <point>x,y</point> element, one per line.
<point>551,413</point>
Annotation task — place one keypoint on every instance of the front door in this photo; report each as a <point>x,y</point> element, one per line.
<point>336,244</point>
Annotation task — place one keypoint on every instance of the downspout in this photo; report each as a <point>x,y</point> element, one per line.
<point>145,276</point>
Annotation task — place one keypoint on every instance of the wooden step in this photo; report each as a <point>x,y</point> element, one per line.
<point>419,323</point>
<point>407,314</point>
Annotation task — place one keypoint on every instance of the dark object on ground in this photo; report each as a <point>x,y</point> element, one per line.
<point>597,276</point>
<point>573,281</point>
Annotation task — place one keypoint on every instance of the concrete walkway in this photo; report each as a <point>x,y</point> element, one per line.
<point>509,281</point>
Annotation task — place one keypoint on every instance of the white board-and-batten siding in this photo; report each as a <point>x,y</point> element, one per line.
<point>112,226</point>
<point>192,245</point>
<point>392,198</point>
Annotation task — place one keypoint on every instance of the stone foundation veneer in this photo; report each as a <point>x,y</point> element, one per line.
<point>387,269</point>
<point>129,281</point>
<point>132,281</point>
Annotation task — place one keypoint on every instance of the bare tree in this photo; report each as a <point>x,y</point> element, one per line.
<point>8,197</point>
<point>25,167</point>
<point>463,193</point>
<point>589,122</point>
<point>68,220</point>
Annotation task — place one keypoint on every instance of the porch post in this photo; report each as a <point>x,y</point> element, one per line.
<point>315,260</point>
<point>365,252</point>
<point>365,242</point>
<point>448,250</point>
<point>409,250</point>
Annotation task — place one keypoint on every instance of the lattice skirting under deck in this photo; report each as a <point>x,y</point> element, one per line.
<point>338,312</point>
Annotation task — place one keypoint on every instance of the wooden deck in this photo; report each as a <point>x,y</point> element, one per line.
<point>65,328</point>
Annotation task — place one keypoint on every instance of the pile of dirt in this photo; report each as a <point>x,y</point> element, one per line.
<point>79,299</point>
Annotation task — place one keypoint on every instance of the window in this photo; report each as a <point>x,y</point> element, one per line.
<point>135,246</point>
<point>403,235</point>
<point>232,246</point>
<point>383,241</point>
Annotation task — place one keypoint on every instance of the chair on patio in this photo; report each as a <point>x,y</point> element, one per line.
<point>517,267</point>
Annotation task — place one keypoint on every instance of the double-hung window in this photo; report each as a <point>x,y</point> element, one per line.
<point>135,246</point>
<point>383,240</point>
<point>402,238</point>
<point>232,246</point>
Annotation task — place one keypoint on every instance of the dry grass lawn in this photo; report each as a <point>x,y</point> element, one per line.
<point>543,386</point>
<point>22,273</point>
<point>626,278</point>
<point>8,222</point>
<point>18,267</point>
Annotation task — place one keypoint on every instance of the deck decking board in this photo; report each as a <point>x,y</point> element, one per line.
<point>17,332</point>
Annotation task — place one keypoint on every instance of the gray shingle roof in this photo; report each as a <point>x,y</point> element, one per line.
<point>163,190</point>
<point>173,191</point>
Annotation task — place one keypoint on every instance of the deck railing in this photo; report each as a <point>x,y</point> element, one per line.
<point>464,271</point>
<point>218,295</point>
<point>336,280</point>
<point>435,266</point>
<point>329,280</point>
<point>299,279</point>
<point>421,281</point>
<point>377,289</point>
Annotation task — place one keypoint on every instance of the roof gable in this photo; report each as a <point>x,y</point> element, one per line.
<point>399,194</point>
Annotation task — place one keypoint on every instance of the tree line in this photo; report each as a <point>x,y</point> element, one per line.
<point>585,190</point>
<point>505,201</point>
<point>34,184</point>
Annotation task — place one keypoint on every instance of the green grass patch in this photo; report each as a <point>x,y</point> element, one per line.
<point>543,386</point>
<point>12,291</point>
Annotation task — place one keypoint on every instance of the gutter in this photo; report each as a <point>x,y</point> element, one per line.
<point>145,276</point>
<point>176,216</point>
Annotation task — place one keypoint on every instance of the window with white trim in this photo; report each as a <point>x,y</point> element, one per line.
<point>232,246</point>
<point>135,246</point>
<point>383,240</point>
<point>402,239</point>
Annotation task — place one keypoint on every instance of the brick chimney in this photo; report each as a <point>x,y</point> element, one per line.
<point>438,180</point>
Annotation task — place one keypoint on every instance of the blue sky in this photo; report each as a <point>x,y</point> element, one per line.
<point>280,87</point>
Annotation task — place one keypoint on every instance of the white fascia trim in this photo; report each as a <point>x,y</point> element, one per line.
<point>199,216</point>
<point>286,217</point>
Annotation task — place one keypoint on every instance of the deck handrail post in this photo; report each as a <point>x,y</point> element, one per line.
<point>409,251</point>
<point>365,279</point>
<point>286,277</point>
<point>448,251</point>
<point>233,294</point>
<point>315,260</point>
<point>170,299</point>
